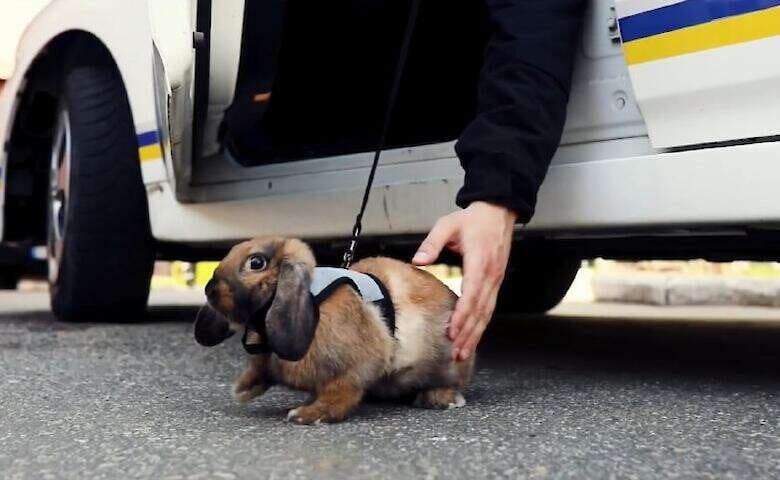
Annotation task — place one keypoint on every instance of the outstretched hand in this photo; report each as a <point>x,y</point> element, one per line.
<point>482,234</point>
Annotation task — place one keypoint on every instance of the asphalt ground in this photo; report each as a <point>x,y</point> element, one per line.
<point>592,391</point>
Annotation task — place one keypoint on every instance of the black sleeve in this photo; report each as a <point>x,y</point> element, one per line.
<point>523,91</point>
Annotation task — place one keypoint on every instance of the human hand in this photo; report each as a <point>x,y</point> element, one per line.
<point>482,234</point>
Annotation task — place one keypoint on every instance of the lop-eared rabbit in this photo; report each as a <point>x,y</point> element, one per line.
<point>378,329</point>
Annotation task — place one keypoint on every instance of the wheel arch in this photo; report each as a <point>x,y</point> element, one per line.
<point>30,132</point>
<point>63,33</point>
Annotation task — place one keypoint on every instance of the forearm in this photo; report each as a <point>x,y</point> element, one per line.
<point>523,91</point>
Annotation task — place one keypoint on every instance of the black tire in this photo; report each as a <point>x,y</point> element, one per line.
<point>536,283</point>
<point>107,253</point>
<point>9,279</point>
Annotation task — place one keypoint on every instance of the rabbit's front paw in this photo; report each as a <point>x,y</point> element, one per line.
<point>332,404</point>
<point>322,411</point>
<point>249,385</point>
<point>245,395</point>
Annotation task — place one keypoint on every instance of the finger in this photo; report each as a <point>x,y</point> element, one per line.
<point>467,308</point>
<point>468,338</point>
<point>431,247</point>
<point>460,319</point>
<point>470,343</point>
<point>470,290</point>
<point>465,333</point>
<point>459,343</point>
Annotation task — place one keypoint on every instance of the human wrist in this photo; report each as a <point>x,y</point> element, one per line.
<point>508,214</point>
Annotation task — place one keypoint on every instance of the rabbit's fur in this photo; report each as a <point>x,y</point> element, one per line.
<point>348,351</point>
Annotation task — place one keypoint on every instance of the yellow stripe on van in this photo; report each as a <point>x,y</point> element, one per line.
<point>150,153</point>
<point>719,33</point>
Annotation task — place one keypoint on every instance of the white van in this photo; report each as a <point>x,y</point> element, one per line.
<point>171,128</point>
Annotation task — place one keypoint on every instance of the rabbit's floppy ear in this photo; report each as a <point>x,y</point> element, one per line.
<point>292,318</point>
<point>211,327</point>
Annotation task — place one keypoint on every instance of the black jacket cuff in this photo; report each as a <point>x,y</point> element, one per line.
<point>489,185</point>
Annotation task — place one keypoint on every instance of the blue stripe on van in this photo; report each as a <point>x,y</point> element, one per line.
<point>686,14</point>
<point>150,138</point>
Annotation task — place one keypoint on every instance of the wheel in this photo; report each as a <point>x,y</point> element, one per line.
<point>9,279</point>
<point>536,283</point>
<point>99,242</point>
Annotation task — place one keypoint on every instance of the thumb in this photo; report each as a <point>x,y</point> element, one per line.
<point>433,244</point>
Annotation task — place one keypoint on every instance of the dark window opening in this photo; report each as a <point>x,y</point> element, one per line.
<point>328,68</point>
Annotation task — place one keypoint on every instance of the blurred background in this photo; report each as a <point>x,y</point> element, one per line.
<point>654,282</point>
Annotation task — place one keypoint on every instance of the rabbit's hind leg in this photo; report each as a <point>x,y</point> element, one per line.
<point>440,399</point>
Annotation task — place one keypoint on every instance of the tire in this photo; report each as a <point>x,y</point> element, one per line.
<point>535,284</point>
<point>9,279</point>
<point>101,252</point>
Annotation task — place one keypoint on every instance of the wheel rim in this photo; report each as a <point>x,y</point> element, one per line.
<point>59,186</point>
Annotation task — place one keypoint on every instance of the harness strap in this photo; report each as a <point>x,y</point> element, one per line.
<point>256,323</point>
<point>385,305</point>
<point>254,348</point>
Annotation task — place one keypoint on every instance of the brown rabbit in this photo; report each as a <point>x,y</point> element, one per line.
<point>338,348</point>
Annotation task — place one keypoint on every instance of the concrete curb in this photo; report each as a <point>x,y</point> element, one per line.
<point>674,290</point>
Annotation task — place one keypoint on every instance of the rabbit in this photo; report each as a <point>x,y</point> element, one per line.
<point>341,350</point>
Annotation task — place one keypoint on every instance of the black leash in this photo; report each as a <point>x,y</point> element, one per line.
<point>349,254</point>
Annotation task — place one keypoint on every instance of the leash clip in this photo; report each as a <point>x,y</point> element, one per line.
<point>349,253</point>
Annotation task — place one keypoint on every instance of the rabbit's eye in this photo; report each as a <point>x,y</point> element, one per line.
<point>256,263</point>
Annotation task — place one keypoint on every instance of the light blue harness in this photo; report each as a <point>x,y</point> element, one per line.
<point>326,280</point>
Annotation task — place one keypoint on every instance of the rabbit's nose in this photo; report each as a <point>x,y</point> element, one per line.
<point>211,288</point>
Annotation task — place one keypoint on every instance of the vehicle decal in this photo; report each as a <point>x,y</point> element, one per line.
<point>632,7</point>
<point>695,25</point>
<point>149,146</point>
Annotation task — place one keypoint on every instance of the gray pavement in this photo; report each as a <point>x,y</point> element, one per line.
<point>590,392</point>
